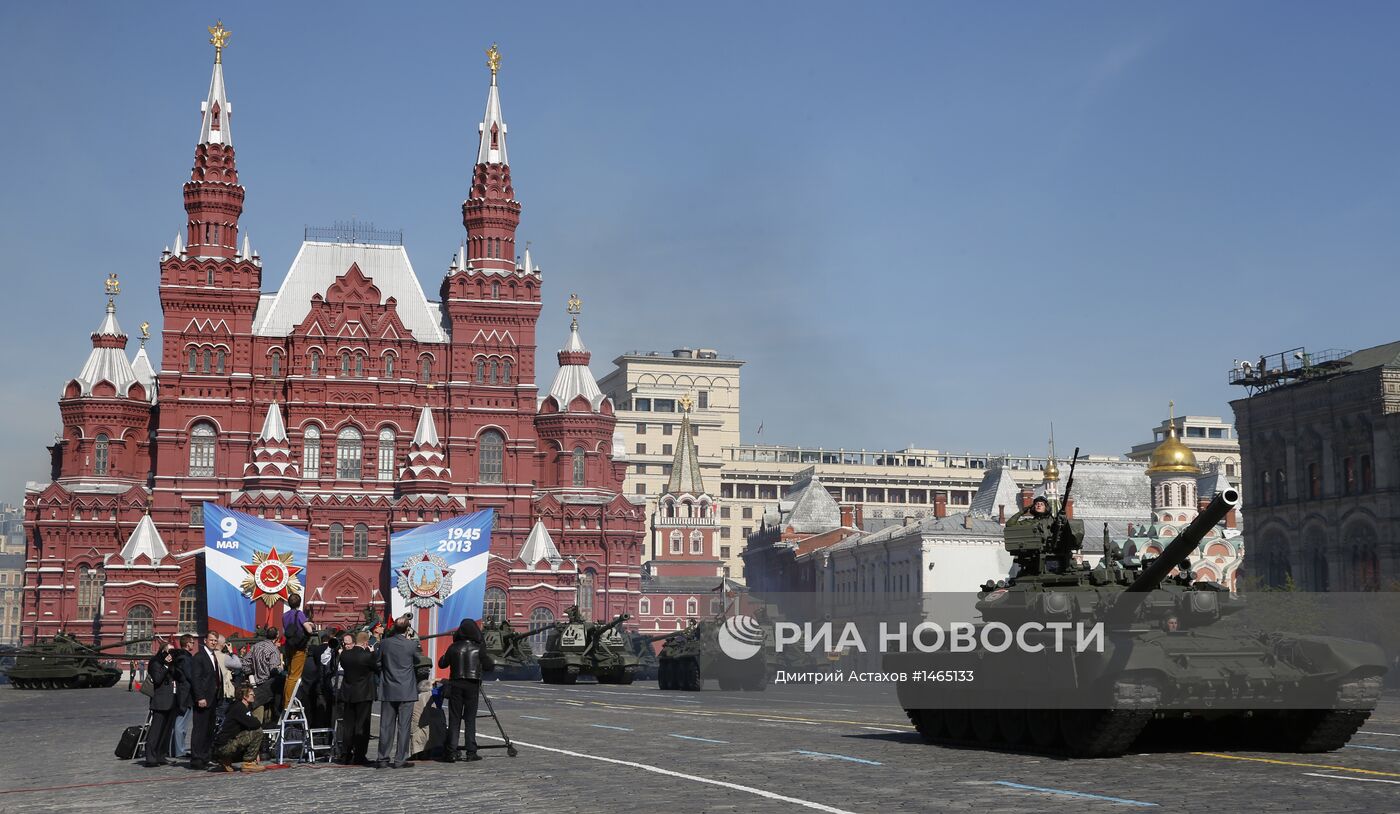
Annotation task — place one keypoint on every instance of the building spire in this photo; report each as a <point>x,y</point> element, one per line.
<point>213,197</point>
<point>685,467</point>
<point>491,213</point>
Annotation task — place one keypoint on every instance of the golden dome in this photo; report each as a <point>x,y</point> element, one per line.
<point>1173,456</point>
<point>1052,472</point>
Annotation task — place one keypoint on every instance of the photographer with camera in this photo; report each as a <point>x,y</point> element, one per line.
<point>160,675</point>
<point>241,735</point>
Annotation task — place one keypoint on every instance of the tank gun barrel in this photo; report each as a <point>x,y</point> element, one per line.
<point>621,617</point>
<point>1186,541</point>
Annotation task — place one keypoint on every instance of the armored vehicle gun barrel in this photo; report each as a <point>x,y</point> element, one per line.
<point>517,635</point>
<point>621,617</point>
<point>1185,542</point>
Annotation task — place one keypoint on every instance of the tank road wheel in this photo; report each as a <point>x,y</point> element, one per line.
<point>551,676</point>
<point>1102,732</point>
<point>958,723</point>
<point>624,677</point>
<point>984,726</point>
<point>76,682</point>
<point>928,723</point>
<point>690,676</point>
<point>1319,730</point>
<point>663,676</point>
<point>1013,725</point>
<point>728,683</point>
<point>1043,726</point>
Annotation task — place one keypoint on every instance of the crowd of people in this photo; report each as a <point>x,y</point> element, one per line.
<point>216,703</point>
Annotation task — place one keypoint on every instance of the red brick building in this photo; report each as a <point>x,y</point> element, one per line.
<point>345,403</point>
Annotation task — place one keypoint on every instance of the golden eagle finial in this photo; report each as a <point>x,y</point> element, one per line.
<point>685,402</point>
<point>113,286</point>
<point>145,332</point>
<point>575,304</point>
<point>218,37</point>
<point>493,60</point>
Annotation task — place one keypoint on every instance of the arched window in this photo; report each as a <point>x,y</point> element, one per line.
<point>491,457</point>
<point>1266,488</point>
<point>361,541</point>
<point>644,607</point>
<point>311,452</point>
<point>697,542</point>
<point>202,450</point>
<point>495,291</point>
<point>337,546</point>
<point>208,275</point>
<point>389,366</point>
<point>668,607</point>
<point>140,624</point>
<point>194,360</point>
<point>425,369</point>
<point>359,365</point>
<point>1348,476</point>
<point>275,367</point>
<point>505,371</point>
<point>494,605</point>
<point>1280,486</point>
<point>219,361</point>
<point>99,455</point>
<point>692,608</point>
<point>189,622</point>
<point>345,364</point>
<point>89,592</point>
<point>586,582</point>
<point>538,618</point>
<point>349,454</point>
<point>386,454</point>
<point>1368,477</point>
<point>315,363</point>
<point>578,466</point>
<point>676,543</point>
<point>491,371</point>
<point>208,357</point>
<point>480,370</point>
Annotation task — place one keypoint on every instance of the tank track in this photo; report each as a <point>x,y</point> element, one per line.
<point>1084,733</point>
<point>1325,730</point>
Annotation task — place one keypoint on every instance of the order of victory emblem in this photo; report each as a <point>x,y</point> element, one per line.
<point>271,577</point>
<point>425,580</point>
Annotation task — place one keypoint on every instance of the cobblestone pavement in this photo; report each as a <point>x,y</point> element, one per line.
<point>623,749</point>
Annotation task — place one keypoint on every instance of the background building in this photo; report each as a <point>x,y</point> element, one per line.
<point>346,404</point>
<point>1211,439</point>
<point>11,593</point>
<point>11,529</point>
<point>1320,444</point>
<point>647,389</point>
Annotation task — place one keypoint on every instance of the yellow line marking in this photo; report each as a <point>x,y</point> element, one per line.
<point>1296,763</point>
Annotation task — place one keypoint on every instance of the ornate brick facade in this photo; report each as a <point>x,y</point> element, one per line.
<point>346,404</point>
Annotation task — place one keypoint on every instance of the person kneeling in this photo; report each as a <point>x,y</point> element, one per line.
<point>241,735</point>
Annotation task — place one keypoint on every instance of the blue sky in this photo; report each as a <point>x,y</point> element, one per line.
<point>928,223</point>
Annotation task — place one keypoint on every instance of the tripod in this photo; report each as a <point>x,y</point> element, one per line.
<point>491,713</point>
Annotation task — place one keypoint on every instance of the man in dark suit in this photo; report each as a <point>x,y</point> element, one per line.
<point>397,658</point>
<point>206,688</point>
<point>160,672</point>
<point>357,697</point>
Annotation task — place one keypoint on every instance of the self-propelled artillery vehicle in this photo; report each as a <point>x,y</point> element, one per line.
<point>694,655</point>
<point>641,646</point>
<point>63,663</point>
<point>510,649</point>
<point>1165,655</point>
<point>577,647</point>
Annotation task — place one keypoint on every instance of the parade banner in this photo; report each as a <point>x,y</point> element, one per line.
<point>250,565</point>
<point>440,569</point>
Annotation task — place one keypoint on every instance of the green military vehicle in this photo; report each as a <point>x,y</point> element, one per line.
<point>578,647</point>
<point>695,655</point>
<point>64,663</point>
<point>1164,655</point>
<point>648,665</point>
<point>510,649</point>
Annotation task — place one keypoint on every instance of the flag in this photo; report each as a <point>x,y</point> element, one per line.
<point>249,562</point>
<point>441,567</point>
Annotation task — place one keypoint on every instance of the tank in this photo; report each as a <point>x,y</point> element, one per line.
<point>693,656</point>
<point>641,646</point>
<point>510,649</point>
<point>578,647</point>
<point>64,663</point>
<point>1167,657</point>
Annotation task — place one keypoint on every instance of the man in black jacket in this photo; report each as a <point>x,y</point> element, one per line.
<point>357,696</point>
<point>465,661</point>
<point>206,687</point>
<point>241,735</point>
<point>160,672</point>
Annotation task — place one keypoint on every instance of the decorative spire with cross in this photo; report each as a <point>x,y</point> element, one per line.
<point>218,37</point>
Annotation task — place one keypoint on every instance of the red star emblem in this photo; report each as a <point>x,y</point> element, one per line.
<point>271,578</point>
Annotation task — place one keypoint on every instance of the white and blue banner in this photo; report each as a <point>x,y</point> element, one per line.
<point>441,568</point>
<point>249,564</point>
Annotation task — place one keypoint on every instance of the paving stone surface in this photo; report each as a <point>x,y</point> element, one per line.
<point>595,749</point>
